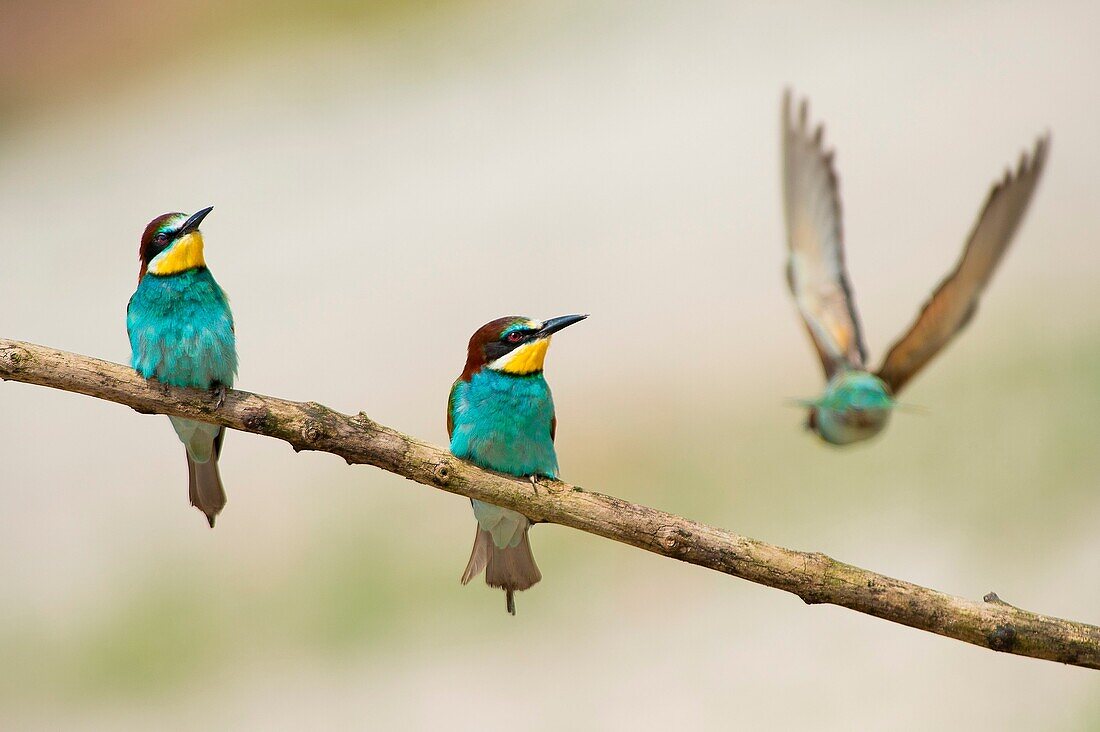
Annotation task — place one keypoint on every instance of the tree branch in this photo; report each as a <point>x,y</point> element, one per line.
<point>814,577</point>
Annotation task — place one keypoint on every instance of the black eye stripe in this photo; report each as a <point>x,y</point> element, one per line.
<point>496,349</point>
<point>503,345</point>
<point>160,242</point>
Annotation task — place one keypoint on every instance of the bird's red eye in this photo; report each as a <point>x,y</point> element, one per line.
<point>515,336</point>
<point>161,237</point>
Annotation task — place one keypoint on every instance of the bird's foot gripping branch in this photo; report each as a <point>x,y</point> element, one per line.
<point>990,623</point>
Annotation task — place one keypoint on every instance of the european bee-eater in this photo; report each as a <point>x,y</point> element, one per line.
<point>857,404</point>
<point>181,333</point>
<point>500,416</point>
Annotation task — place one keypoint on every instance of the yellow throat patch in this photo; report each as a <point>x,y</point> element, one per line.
<point>185,254</point>
<point>526,359</point>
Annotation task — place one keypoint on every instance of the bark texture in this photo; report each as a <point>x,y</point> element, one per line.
<point>814,577</point>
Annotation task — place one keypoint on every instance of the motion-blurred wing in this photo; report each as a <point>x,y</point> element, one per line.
<point>815,267</point>
<point>955,301</point>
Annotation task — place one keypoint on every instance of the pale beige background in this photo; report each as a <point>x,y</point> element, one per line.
<point>386,179</point>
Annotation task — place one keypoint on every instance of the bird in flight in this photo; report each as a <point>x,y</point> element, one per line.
<point>857,402</point>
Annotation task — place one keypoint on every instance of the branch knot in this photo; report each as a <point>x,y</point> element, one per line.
<point>10,358</point>
<point>312,431</point>
<point>1003,638</point>
<point>673,538</point>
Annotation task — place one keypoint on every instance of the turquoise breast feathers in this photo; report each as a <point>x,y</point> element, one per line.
<point>503,422</point>
<point>181,330</point>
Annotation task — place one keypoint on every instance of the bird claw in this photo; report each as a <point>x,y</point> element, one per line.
<point>534,483</point>
<point>218,392</point>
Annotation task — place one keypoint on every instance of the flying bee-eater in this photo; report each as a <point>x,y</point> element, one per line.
<point>181,333</point>
<point>857,404</point>
<point>500,416</point>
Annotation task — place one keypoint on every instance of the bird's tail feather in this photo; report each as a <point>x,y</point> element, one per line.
<point>512,569</point>
<point>204,485</point>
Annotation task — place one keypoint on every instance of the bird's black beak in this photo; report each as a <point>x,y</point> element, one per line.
<point>193,222</point>
<point>555,324</point>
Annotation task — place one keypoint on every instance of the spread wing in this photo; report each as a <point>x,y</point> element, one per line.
<point>955,301</point>
<point>815,265</point>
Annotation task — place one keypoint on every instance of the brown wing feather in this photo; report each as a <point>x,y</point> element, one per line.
<point>450,407</point>
<point>816,273</point>
<point>955,301</point>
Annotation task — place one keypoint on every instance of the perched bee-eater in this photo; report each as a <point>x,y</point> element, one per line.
<point>857,404</point>
<point>181,333</point>
<point>500,416</point>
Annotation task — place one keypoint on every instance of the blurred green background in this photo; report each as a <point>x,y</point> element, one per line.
<point>387,177</point>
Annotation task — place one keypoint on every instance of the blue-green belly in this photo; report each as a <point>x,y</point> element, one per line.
<point>181,330</point>
<point>502,422</point>
<point>181,333</point>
